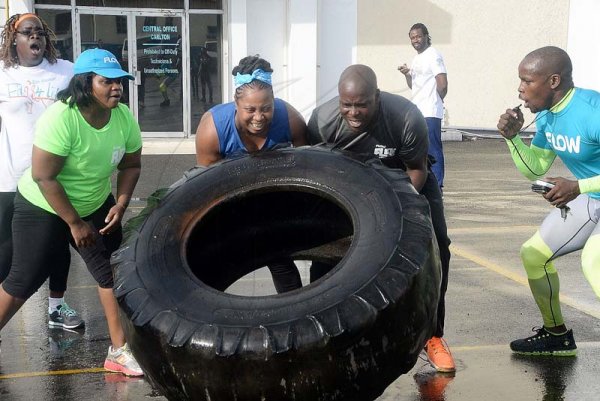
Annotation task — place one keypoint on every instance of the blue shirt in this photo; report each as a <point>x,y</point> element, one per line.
<point>573,133</point>
<point>230,142</point>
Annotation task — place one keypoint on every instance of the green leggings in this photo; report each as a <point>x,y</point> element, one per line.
<point>557,237</point>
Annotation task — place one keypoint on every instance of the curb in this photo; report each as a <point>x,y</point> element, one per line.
<point>186,146</point>
<point>451,135</point>
<point>168,146</point>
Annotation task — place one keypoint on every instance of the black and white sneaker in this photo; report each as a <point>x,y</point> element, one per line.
<point>545,343</point>
<point>65,317</point>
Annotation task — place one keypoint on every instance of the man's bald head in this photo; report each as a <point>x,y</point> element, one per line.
<point>358,78</point>
<point>550,60</point>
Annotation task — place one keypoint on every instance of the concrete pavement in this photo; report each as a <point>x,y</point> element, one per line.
<point>490,211</point>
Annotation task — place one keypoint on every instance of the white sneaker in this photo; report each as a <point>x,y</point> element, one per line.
<point>121,360</point>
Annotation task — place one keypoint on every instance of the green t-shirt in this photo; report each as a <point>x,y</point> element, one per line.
<point>91,155</point>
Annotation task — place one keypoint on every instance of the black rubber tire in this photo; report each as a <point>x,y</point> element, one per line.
<point>345,337</point>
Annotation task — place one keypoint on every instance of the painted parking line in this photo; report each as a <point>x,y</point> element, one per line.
<point>491,347</point>
<point>456,349</point>
<point>53,373</point>
<point>496,268</point>
<point>493,229</point>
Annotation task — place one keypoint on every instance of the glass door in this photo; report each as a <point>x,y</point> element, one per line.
<point>151,46</point>
<point>205,65</point>
<point>108,32</point>
<point>158,63</point>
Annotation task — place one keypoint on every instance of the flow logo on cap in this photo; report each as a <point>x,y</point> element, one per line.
<point>101,62</point>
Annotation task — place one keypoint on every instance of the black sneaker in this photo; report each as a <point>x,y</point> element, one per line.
<point>65,317</point>
<point>546,343</point>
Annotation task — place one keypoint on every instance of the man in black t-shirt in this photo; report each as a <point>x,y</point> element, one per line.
<point>364,120</point>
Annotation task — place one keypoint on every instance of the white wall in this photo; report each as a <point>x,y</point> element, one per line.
<point>302,55</point>
<point>237,40</point>
<point>19,6</point>
<point>337,26</point>
<point>582,44</point>
<point>267,35</point>
<point>482,43</point>
<point>308,44</point>
<point>14,7</point>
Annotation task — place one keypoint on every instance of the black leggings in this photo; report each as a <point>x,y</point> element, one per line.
<point>285,275</point>
<point>6,215</point>
<point>58,277</point>
<point>432,192</point>
<point>41,246</point>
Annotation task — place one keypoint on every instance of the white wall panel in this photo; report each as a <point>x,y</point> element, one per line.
<point>584,37</point>
<point>337,44</point>
<point>267,35</point>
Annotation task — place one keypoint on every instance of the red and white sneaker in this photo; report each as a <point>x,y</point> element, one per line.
<point>121,360</point>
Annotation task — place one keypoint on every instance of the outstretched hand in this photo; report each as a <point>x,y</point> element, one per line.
<point>511,122</point>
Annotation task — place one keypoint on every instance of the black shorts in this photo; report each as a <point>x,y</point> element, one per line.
<point>41,244</point>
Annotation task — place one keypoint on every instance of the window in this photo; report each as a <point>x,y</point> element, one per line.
<point>60,23</point>
<point>206,4</point>
<point>149,21</point>
<point>132,3</point>
<point>56,2</point>
<point>121,23</point>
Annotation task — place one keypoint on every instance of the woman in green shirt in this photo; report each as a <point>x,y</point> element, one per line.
<point>65,197</point>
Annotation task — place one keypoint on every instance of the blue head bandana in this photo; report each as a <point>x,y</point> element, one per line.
<point>242,79</point>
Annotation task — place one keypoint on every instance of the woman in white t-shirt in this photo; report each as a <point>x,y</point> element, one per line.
<point>30,77</point>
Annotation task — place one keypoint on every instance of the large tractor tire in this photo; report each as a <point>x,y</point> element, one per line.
<point>346,336</point>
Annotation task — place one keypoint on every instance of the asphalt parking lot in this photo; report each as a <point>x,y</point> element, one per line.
<point>490,211</point>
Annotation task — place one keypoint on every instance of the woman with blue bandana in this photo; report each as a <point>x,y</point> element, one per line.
<point>254,121</point>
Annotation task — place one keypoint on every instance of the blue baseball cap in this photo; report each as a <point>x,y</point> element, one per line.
<point>101,62</point>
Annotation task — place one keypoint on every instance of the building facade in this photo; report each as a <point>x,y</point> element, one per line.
<point>182,51</point>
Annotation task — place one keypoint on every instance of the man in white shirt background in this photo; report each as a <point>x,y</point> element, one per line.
<point>428,80</point>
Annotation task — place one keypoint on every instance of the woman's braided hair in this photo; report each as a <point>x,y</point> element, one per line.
<point>8,49</point>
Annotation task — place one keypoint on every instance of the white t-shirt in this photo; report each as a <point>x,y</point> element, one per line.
<point>25,92</point>
<point>425,66</point>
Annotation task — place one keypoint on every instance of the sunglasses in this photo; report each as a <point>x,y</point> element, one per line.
<point>29,32</point>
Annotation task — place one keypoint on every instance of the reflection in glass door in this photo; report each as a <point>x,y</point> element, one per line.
<point>152,52</point>
<point>159,73</point>
<point>60,23</point>
<point>153,46</point>
<point>108,32</point>
<point>205,65</point>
